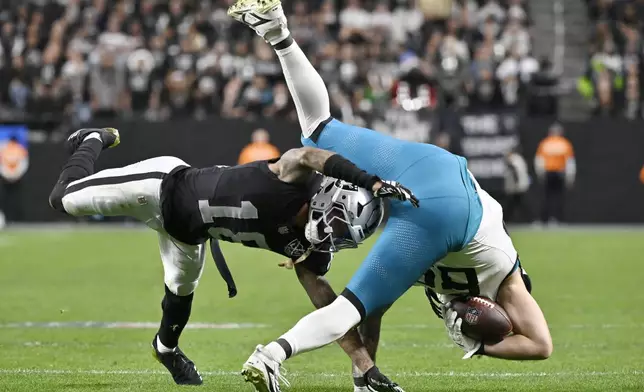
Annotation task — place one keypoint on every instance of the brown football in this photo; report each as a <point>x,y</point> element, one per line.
<point>483,319</point>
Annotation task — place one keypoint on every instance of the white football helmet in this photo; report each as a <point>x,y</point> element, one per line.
<point>341,216</point>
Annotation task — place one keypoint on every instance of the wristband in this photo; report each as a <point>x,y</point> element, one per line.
<point>343,169</point>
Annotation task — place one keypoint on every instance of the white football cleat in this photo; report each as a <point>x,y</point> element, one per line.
<point>263,371</point>
<point>263,16</point>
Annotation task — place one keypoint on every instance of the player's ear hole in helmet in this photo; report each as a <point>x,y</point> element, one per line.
<point>341,216</point>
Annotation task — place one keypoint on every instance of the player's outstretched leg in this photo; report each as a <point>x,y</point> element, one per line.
<point>176,312</point>
<point>85,145</point>
<point>134,191</point>
<point>309,93</point>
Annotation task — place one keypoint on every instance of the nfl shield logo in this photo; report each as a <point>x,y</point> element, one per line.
<point>472,316</point>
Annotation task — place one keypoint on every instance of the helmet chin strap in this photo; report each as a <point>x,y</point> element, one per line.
<point>311,234</point>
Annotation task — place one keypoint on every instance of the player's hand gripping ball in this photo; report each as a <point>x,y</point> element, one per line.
<point>482,319</point>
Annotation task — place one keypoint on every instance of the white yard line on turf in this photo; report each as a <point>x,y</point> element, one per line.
<point>125,325</point>
<point>222,373</point>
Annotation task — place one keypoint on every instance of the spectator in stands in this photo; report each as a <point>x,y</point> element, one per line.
<point>466,12</point>
<point>612,81</point>
<point>517,11</point>
<point>259,149</point>
<point>492,10</point>
<point>632,93</point>
<point>151,58</point>
<point>139,73</point>
<point>19,84</point>
<point>177,96</point>
<point>513,73</point>
<point>556,169</point>
<point>515,38</point>
<point>107,84</point>
<point>256,97</point>
<point>354,20</point>
<point>407,19</point>
<point>484,88</point>
<point>542,96</point>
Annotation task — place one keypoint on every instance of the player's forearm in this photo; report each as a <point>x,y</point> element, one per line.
<point>314,158</point>
<point>334,165</point>
<point>296,162</point>
<point>341,168</point>
<point>518,347</point>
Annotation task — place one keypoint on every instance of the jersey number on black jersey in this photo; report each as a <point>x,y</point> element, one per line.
<point>239,216</point>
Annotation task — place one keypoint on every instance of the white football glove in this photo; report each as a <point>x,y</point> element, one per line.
<point>453,325</point>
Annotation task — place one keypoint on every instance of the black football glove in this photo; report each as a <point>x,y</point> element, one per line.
<point>378,382</point>
<point>396,191</point>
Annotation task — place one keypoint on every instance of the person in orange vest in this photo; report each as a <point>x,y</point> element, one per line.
<point>14,162</point>
<point>556,168</point>
<point>259,149</point>
<point>642,175</point>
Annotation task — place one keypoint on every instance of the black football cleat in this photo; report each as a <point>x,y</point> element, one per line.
<point>378,382</point>
<point>109,136</point>
<point>182,369</point>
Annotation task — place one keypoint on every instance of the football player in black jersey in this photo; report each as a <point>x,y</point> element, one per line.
<point>264,204</point>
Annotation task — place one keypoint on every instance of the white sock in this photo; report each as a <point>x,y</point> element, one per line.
<point>276,351</point>
<point>93,135</point>
<point>322,327</point>
<point>306,86</point>
<point>161,347</point>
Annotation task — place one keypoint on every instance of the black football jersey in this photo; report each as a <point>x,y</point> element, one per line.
<point>245,204</point>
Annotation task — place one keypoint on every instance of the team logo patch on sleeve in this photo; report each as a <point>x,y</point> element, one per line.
<point>294,248</point>
<point>472,316</point>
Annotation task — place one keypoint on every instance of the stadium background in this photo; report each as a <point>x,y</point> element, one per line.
<point>179,78</point>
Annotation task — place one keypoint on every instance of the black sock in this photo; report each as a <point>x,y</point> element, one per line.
<point>79,165</point>
<point>285,43</point>
<point>286,346</point>
<point>176,312</point>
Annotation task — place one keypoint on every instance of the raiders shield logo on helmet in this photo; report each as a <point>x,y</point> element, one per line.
<point>294,248</point>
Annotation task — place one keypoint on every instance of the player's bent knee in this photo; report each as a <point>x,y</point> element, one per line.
<point>341,316</point>
<point>181,289</point>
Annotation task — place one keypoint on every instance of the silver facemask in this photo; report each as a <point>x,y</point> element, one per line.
<point>341,216</point>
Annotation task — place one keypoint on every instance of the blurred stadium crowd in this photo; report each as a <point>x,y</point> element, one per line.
<point>613,82</point>
<point>83,59</point>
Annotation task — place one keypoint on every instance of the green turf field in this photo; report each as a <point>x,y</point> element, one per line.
<point>588,284</point>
